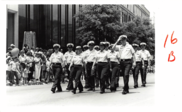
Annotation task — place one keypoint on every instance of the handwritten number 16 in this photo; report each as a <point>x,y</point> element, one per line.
<point>173,41</point>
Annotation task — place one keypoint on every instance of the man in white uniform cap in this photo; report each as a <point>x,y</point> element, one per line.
<point>56,60</point>
<point>67,60</point>
<point>146,57</point>
<point>127,59</point>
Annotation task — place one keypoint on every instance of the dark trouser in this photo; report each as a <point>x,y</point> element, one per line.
<point>136,70</point>
<point>48,74</point>
<point>86,78</point>
<point>96,77</point>
<point>102,68</point>
<point>57,69</point>
<point>70,83</point>
<point>115,74</point>
<point>125,69</point>
<point>7,75</point>
<point>30,75</point>
<point>12,74</point>
<point>108,78</point>
<point>91,80</point>
<point>144,72</point>
<point>75,74</point>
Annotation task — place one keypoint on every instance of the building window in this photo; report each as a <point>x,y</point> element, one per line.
<point>22,25</point>
<point>70,17</point>
<point>47,26</point>
<point>63,31</point>
<point>55,24</point>
<point>10,29</point>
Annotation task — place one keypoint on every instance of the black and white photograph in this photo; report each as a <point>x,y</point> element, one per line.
<point>80,55</point>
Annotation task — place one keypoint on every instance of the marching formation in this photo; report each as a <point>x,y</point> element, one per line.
<point>99,65</point>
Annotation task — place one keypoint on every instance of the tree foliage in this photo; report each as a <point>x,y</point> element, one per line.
<point>98,22</point>
<point>140,30</point>
<point>102,23</point>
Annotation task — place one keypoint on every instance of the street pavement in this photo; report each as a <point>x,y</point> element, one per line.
<point>40,95</point>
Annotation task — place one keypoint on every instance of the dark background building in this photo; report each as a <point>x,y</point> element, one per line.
<point>53,23</point>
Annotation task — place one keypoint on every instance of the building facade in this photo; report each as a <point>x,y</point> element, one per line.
<point>53,23</point>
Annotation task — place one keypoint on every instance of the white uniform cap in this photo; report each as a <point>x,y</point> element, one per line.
<point>96,46</point>
<point>102,43</point>
<point>136,45</point>
<point>122,36</point>
<point>70,44</point>
<point>142,43</point>
<point>56,45</point>
<point>91,42</point>
<point>12,45</point>
<point>78,47</point>
<point>108,43</point>
<point>85,46</point>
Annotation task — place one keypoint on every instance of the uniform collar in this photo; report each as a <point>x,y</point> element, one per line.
<point>143,50</point>
<point>57,52</point>
<point>102,51</point>
<point>70,52</point>
<point>125,45</point>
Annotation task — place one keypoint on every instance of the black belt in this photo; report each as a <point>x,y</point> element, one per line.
<point>77,65</point>
<point>125,59</point>
<point>56,63</point>
<point>90,62</point>
<point>102,62</point>
<point>114,62</point>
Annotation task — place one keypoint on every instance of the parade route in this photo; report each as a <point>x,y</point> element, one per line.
<point>40,95</point>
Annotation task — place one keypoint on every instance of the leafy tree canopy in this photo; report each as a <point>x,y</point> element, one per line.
<point>102,23</point>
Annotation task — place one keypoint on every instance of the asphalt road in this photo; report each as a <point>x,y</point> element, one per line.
<point>40,95</point>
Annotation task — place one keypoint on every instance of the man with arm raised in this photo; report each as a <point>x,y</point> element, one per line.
<point>127,60</point>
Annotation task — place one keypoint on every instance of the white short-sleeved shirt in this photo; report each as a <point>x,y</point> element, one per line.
<point>108,51</point>
<point>56,58</point>
<point>113,56</point>
<point>22,59</point>
<point>13,65</point>
<point>77,60</point>
<point>138,55</point>
<point>102,56</point>
<point>125,52</point>
<point>36,59</point>
<point>30,60</point>
<point>86,53</point>
<point>145,54</point>
<point>68,56</point>
<point>90,55</point>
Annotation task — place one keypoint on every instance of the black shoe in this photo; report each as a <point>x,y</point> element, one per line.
<point>73,91</point>
<point>102,92</point>
<point>124,92</point>
<point>117,85</point>
<point>59,91</point>
<point>86,87</point>
<point>80,91</point>
<point>93,89</point>
<point>127,91</point>
<point>69,89</point>
<point>107,87</point>
<point>53,90</point>
<point>97,86</point>
<point>135,86</point>
<point>90,89</point>
<point>143,85</point>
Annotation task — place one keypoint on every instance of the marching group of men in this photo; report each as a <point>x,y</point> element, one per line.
<point>101,65</point>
